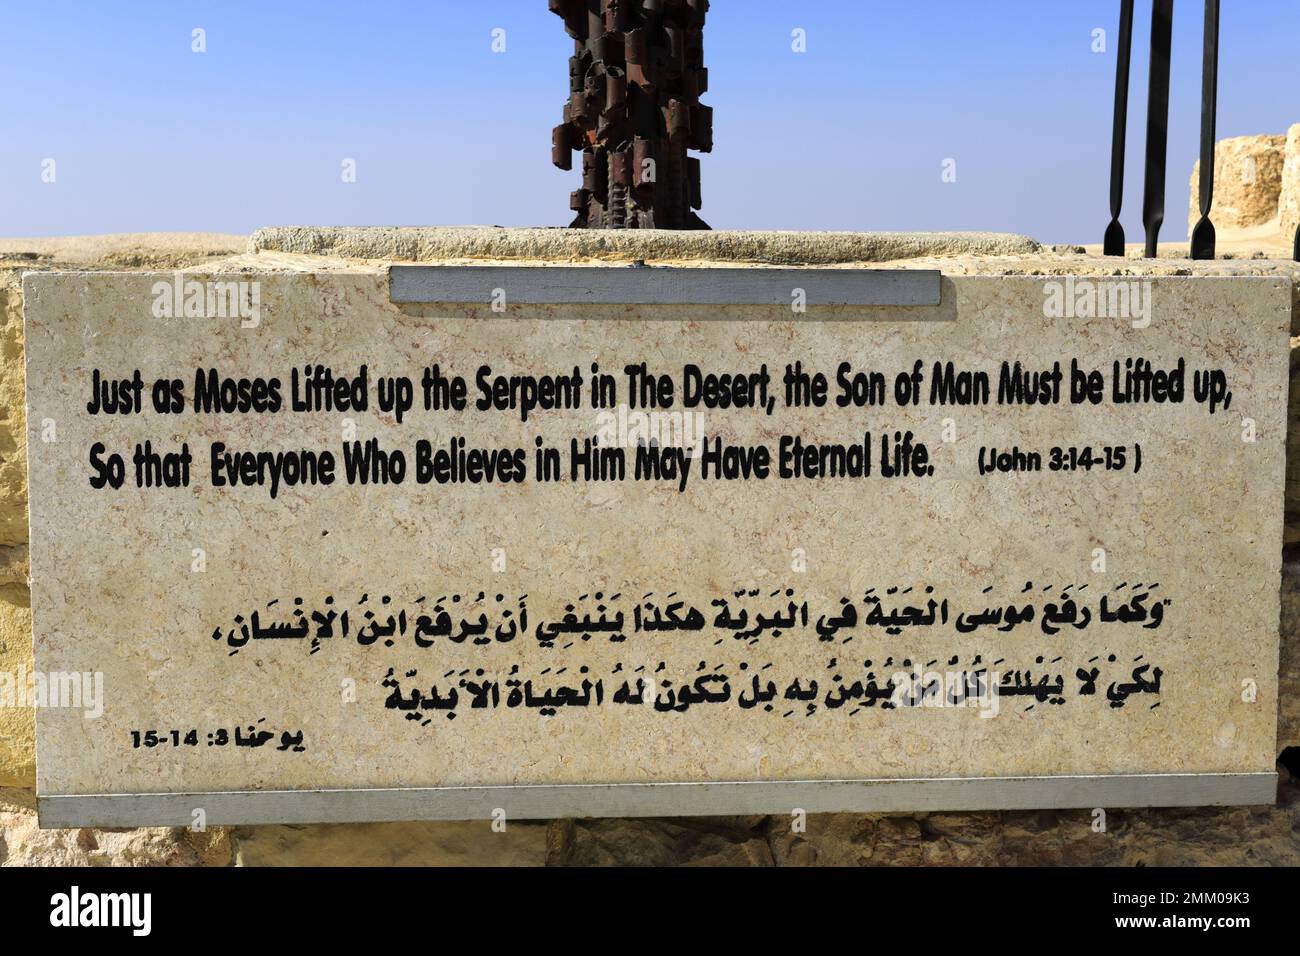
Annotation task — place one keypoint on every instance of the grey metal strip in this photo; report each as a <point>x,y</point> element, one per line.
<point>662,285</point>
<point>659,799</point>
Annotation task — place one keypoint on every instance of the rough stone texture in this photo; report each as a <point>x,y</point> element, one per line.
<point>419,244</point>
<point>1288,687</point>
<point>1138,837</point>
<point>698,841</point>
<point>22,843</point>
<point>1247,182</point>
<point>392,844</point>
<point>1222,836</point>
<point>1291,529</point>
<point>13,420</point>
<point>120,251</point>
<point>17,724</point>
<point>1217,836</point>
<point>1288,207</point>
<point>1173,262</point>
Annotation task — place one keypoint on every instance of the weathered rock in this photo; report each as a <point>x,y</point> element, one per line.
<point>472,843</point>
<point>723,841</point>
<point>1291,512</point>
<point>1288,205</point>
<point>17,723</point>
<point>1288,717</point>
<point>23,844</point>
<point>17,726</point>
<point>122,250</point>
<point>214,846</point>
<point>429,244</point>
<point>15,566</point>
<point>1216,836</point>
<point>13,413</point>
<point>1247,182</point>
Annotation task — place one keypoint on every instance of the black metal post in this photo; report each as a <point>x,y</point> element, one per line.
<point>1203,232</point>
<point>1113,244</point>
<point>1153,201</point>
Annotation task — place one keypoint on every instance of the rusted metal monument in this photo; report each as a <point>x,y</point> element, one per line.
<point>634,111</point>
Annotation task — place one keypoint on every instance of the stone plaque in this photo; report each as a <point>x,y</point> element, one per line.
<point>304,548</point>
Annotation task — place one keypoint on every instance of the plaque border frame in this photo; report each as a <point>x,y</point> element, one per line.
<point>730,798</point>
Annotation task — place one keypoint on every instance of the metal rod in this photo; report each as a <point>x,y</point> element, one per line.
<point>1203,232</point>
<point>1113,244</point>
<point>1153,201</point>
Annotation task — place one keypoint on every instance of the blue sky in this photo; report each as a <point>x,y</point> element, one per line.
<point>147,135</point>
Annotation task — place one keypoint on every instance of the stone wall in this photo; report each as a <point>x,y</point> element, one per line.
<point>17,729</point>
<point>1258,835</point>
<point>1289,201</point>
<point>1247,182</point>
<point>1256,187</point>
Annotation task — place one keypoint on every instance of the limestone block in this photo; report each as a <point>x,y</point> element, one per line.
<point>1151,837</point>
